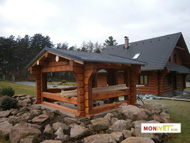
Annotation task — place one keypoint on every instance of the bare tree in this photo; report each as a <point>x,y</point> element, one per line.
<point>64,45</point>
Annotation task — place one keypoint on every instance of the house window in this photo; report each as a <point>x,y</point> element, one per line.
<point>175,59</point>
<point>169,77</point>
<point>143,79</point>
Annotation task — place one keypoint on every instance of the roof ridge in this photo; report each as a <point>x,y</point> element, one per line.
<point>150,38</point>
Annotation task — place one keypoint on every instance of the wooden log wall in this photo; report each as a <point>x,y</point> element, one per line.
<point>180,81</point>
<point>102,79</point>
<point>166,87</point>
<point>152,85</point>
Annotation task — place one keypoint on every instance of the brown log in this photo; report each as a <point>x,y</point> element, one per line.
<point>60,107</point>
<point>109,88</point>
<point>70,93</point>
<point>56,69</point>
<point>71,100</point>
<point>109,94</point>
<point>107,107</point>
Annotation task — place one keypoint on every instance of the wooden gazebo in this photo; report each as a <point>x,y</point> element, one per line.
<point>84,66</point>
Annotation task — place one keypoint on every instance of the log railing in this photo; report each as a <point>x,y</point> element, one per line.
<point>113,91</point>
<point>100,93</point>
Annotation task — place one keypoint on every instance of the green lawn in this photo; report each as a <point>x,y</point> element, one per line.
<point>180,113</point>
<point>19,89</point>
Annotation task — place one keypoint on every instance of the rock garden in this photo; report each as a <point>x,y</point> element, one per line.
<point>27,122</point>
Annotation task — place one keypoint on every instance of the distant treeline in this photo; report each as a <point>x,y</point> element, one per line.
<point>16,53</point>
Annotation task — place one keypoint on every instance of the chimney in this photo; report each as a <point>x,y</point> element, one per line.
<point>126,42</point>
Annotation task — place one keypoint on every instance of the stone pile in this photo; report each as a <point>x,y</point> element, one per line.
<point>30,123</point>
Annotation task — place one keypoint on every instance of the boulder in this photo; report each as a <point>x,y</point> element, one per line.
<point>29,139</point>
<point>51,141</point>
<point>19,95</point>
<point>3,119</point>
<point>153,108</point>
<point>138,140</point>
<point>19,132</point>
<point>113,120</point>
<point>23,103</point>
<point>35,112</point>
<point>100,138</point>
<point>69,120</point>
<point>25,117</point>
<point>60,135</point>
<point>25,124</point>
<point>5,128</point>
<point>5,113</point>
<point>14,119</point>
<point>35,106</point>
<point>40,118</point>
<point>156,117</point>
<point>109,116</point>
<point>133,112</point>
<point>164,117</point>
<point>48,129</point>
<point>49,113</point>
<point>164,108</point>
<point>120,125</point>
<point>127,133</point>
<point>100,124</point>
<point>56,125</point>
<point>118,136</point>
<point>14,111</point>
<point>24,109</point>
<point>78,131</point>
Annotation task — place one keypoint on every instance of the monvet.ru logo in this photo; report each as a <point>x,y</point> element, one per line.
<point>160,127</point>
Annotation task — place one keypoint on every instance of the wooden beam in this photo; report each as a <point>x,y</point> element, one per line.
<point>71,93</point>
<point>109,88</point>
<point>107,107</point>
<point>54,64</point>
<point>56,69</point>
<point>71,100</point>
<point>60,107</point>
<point>109,94</point>
<point>180,48</point>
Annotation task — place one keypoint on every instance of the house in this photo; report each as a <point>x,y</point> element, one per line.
<point>167,59</point>
<point>84,65</point>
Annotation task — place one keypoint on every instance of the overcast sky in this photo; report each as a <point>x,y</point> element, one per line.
<point>76,21</point>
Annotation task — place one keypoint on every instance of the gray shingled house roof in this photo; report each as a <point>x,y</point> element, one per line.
<point>155,52</point>
<point>178,68</point>
<point>88,57</point>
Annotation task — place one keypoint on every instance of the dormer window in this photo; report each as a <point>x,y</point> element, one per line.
<point>136,55</point>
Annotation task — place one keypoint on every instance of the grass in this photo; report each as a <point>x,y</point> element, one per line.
<point>62,84</point>
<point>19,89</point>
<point>180,113</point>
